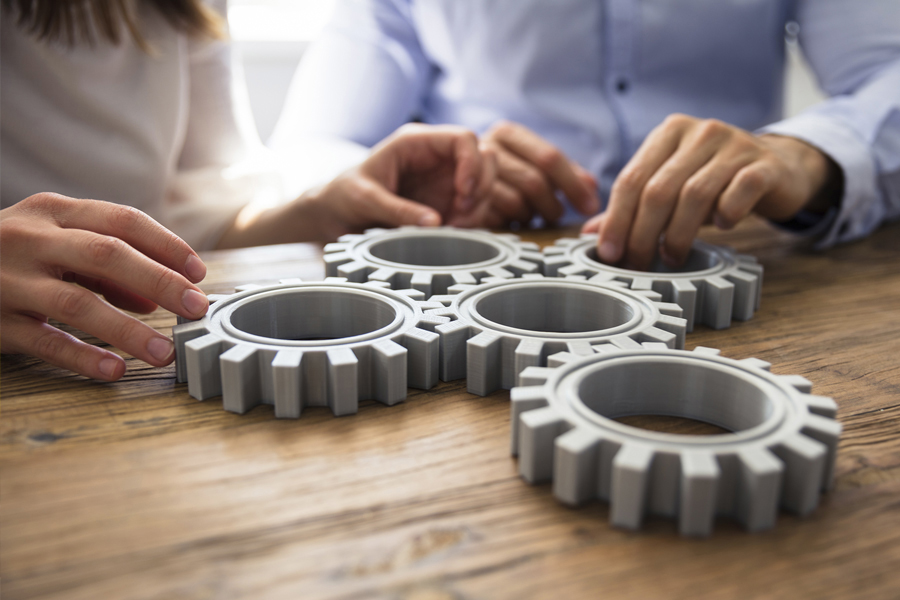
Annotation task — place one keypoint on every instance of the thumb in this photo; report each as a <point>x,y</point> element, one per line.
<point>389,209</point>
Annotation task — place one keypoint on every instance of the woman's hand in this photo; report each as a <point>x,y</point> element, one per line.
<point>420,175</point>
<point>691,171</point>
<point>58,251</point>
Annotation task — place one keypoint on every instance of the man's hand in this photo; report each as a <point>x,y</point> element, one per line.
<point>530,172</point>
<point>58,251</point>
<point>693,171</point>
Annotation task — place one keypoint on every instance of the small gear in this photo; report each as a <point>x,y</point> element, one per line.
<point>502,326</point>
<point>297,344</point>
<point>430,259</point>
<point>714,285</point>
<point>781,451</point>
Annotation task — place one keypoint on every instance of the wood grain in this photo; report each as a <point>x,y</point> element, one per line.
<point>135,490</point>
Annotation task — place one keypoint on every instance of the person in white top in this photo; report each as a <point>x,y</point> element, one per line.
<point>131,105</point>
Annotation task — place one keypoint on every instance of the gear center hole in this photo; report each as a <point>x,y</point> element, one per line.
<point>697,260</point>
<point>648,394</point>
<point>433,251</point>
<point>548,309</point>
<point>312,315</point>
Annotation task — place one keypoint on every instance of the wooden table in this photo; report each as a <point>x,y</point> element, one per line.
<point>135,490</point>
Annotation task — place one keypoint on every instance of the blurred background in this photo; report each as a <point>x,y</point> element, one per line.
<point>271,36</point>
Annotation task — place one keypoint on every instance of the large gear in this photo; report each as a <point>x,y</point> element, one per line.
<point>781,451</point>
<point>714,285</point>
<point>430,259</point>
<point>502,326</point>
<point>297,344</point>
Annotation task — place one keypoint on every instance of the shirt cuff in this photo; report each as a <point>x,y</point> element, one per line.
<point>846,148</point>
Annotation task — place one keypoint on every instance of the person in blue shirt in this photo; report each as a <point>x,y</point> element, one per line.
<point>672,111</point>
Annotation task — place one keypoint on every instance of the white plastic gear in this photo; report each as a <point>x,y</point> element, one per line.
<point>430,259</point>
<point>502,326</point>
<point>781,451</point>
<point>715,284</point>
<point>297,344</point>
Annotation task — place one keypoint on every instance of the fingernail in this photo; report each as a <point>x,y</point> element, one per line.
<point>161,349</point>
<point>195,269</point>
<point>195,303</point>
<point>608,252</point>
<point>429,220</point>
<point>720,222</point>
<point>108,367</point>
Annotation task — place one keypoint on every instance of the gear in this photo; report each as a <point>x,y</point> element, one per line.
<point>430,259</point>
<point>502,326</point>
<point>782,449</point>
<point>714,285</point>
<point>297,344</point>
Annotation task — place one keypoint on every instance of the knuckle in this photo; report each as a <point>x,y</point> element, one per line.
<point>548,158</point>
<point>47,202</point>
<point>677,121</point>
<point>165,281</point>
<point>72,302</point>
<point>501,128</point>
<point>125,218</point>
<point>50,344</point>
<point>696,192</point>
<point>102,249</point>
<point>628,181</point>
<point>656,195</point>
<point>751,178</point>
<point>712,129</point>
<point>533,184</point>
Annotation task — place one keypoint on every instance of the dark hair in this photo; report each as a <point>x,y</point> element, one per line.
<point>74,22</point>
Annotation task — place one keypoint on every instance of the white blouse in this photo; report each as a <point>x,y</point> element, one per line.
<point>161,132</point>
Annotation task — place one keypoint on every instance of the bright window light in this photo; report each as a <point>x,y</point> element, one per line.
<point>278,20</point>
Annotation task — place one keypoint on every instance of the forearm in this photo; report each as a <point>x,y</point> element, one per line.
<point>301,220</point>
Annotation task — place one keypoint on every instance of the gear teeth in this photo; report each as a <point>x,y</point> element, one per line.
<point>290,281</point>
<point>181,334</point>
<point>756,363</point>
<point>720,286</point>
<point>759,489</point>
<point>630,485</point>
<point>240,378</point>
<point>512,328</point>
<point>782,457</point>
<point>431,259</point>
<point>213,298</point>
<point>384,285</point>
<point>202,366</point>
<point>247,287</point>
<point>707,350</point>
<point>699,486</point>
<point>523,399</point>
<point>799,382</point>
<point>575,466</point>
<point>288,384</point>
<point>384,343</point>
<point>538,431</point>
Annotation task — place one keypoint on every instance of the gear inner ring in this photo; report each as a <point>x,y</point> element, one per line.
<point>689,386</point>
<point>541,309</point>
<point>702,260</point>
<point>310,316</point>
<point>438,249</point>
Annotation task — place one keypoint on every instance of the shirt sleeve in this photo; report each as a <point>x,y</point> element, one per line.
<point>222,166</point>
<point>364,77</point>
<point>854,50</point>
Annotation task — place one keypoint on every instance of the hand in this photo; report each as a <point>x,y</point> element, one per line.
<point>530,171</point>
<point>692,171</point>
<point>50,243</point>
<point>420,175</point>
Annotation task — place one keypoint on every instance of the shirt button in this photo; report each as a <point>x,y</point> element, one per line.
<point>622,85</point>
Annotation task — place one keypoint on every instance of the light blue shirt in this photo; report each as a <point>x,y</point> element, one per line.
<point>596,76</point>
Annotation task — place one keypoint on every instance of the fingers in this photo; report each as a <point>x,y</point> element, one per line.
<point>551,162</point>
<point>697,203</point>
<point>594,224</point>
<point>103,257</point>
<point>114,293</point>
<point>84,310</point>
<point>531,183</point>
<point>629,187</point>
<point>745,190</point>
<point>130,225</point>
<point>25,335</point>
<point>378,205</point>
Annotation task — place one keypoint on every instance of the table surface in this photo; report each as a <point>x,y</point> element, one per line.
<point>136,490</point>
